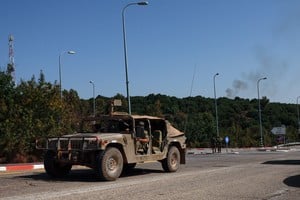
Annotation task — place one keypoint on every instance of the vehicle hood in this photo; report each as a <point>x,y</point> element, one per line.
<point>98,135</point>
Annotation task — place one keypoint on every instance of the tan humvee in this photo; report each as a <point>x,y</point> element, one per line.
<point>116,143</point>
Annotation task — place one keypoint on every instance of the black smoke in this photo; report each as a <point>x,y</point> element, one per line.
<point>237,86</point>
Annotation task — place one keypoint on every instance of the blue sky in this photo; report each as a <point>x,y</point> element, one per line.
<point>168,42</point>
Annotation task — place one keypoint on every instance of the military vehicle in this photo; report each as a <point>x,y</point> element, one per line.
<point>115,144</point>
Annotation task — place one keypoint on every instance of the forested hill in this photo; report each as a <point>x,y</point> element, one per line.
<point>237,118</point>
<point>34,109</point>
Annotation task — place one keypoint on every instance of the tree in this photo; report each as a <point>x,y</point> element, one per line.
<point>34,109</point>
<point>7,108</point>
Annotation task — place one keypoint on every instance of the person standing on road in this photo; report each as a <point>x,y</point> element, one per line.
<point>213,144</point>
<point>219,144</point>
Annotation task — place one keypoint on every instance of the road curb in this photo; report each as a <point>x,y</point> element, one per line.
<point>21,167</point>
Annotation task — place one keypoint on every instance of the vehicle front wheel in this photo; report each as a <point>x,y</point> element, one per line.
<point>53,167</point>
<point>172,161</point>
<point>110,164</point>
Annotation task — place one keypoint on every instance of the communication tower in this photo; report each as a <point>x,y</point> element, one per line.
<point>11,64</point>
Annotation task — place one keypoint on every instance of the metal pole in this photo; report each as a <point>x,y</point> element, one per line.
<point>259,112</point>
<point>125,51</point>
<point>216,106</point>
<point>94,103</point>
<point>298,115</point>
<point>59,70</point>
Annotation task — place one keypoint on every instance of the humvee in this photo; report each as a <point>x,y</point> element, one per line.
<point>115,144</point>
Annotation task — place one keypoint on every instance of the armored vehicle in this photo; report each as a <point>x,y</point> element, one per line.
<point>115,144</point>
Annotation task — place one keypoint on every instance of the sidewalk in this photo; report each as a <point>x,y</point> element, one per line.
<point>197,151</point>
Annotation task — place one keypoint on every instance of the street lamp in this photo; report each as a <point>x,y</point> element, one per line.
<point>298,115</point>
<point>259,112</point>
<point>59,66</point>
<point>143,3</point>
<point>94,103</point>
<point>216,107</point>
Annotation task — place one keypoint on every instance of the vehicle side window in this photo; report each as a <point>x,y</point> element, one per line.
<point>140,131</point>
<point>124,126</point>
<point>158,125</point>
<point>113,127</point>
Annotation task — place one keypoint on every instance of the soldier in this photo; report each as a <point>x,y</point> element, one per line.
<point>213,144</point>
<point>219,144</point>
<point>142,138</point>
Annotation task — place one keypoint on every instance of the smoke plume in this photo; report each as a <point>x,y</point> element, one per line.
<point>237,86</point>
<point>269,65</point>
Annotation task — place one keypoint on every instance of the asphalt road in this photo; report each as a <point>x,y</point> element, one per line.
<point>245,175</point>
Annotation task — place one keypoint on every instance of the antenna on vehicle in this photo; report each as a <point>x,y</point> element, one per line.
<point>191,90</point>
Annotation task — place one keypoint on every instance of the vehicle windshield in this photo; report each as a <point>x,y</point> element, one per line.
<point>104,125</point>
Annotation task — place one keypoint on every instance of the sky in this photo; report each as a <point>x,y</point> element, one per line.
<point>174,47</point>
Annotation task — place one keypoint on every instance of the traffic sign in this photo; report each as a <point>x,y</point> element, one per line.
<point>279,130</point>
<point>226,139</point>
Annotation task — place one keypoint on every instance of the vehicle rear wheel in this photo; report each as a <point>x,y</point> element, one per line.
<point>172,161</point>
<point>53,167</point>
<point>110,164</point>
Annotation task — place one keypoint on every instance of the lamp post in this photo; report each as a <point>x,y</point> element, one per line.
<point>298,115</point>
<point>94,103</point>
<point>259,112</point>
<point>59,66</point>
<point>143,3</point>
<point>216,107</point>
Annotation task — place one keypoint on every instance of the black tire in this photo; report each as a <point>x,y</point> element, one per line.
<point>110,164</point>
<point>172,161</point>
<point>54,168</point>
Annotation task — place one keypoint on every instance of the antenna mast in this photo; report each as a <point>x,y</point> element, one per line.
<point>11,64</point>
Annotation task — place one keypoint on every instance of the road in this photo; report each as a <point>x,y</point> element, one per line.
<point>244,175</point>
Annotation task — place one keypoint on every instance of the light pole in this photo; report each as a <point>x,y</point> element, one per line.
<point>94,103</point>
<point>216,107</point>
<point>143,3</point>
<point>59,66</point>
<point>298,115</point>
<point>259,112</point>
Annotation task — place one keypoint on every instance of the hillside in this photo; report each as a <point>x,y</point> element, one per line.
<point>34,109</point>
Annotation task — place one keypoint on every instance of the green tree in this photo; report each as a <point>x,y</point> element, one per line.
<point>7,114</point>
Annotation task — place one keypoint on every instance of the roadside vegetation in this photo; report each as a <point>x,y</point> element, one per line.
<point>34,109</point>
